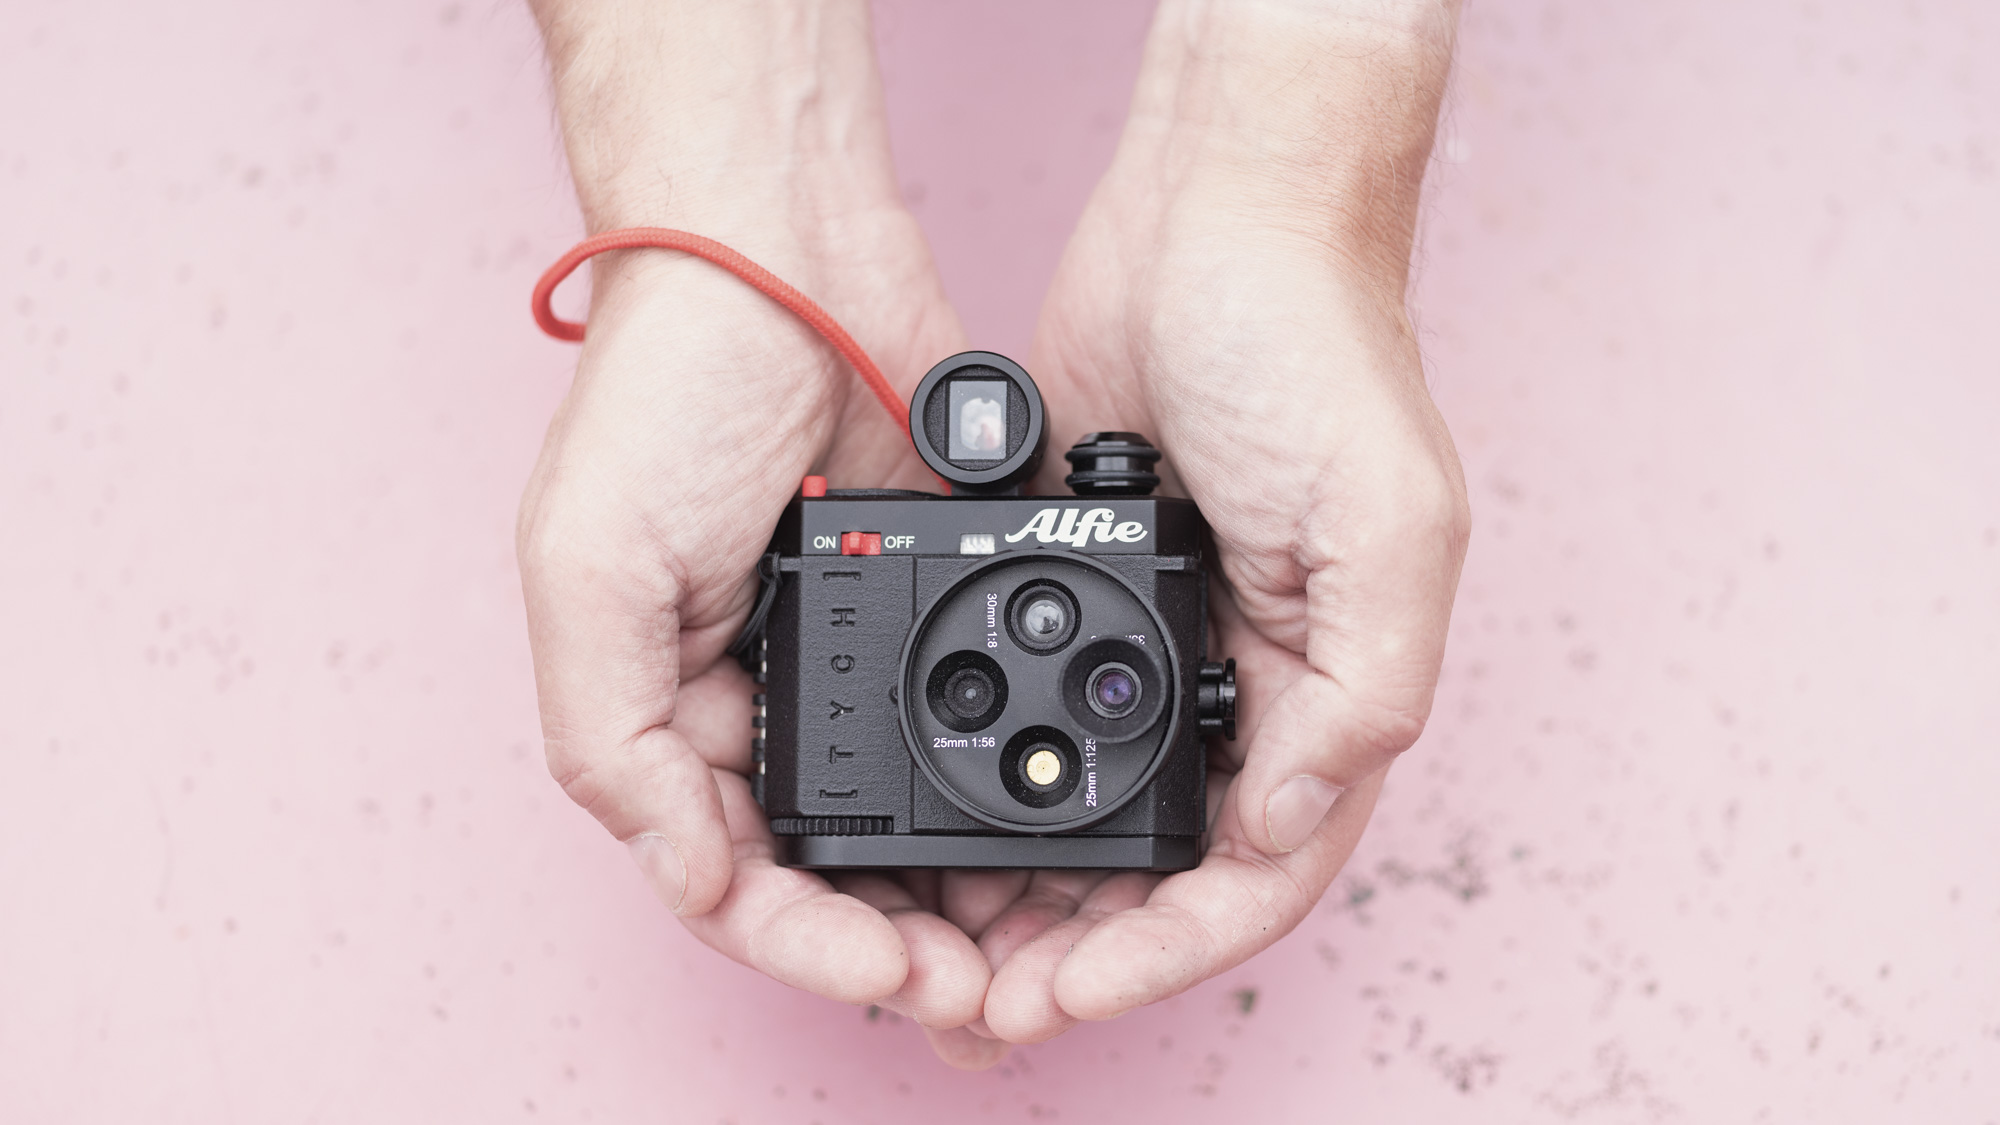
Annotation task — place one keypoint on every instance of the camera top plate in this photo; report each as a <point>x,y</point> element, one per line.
<point>912,524</point>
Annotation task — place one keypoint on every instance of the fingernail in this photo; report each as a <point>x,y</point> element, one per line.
<point>1296,809</point>
<point>662,866</point>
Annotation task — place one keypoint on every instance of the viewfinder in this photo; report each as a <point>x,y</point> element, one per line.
<point>976,419</point>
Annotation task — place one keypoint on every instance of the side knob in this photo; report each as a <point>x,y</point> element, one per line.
<point>1215,698</point>
<point>1112,464</point>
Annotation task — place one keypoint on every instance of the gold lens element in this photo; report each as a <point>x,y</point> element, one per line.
<point>1044,767</point>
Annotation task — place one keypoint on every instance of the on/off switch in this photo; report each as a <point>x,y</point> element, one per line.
<point>860,542</point>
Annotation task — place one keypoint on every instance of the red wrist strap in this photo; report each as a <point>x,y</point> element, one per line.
<point>763,280</point>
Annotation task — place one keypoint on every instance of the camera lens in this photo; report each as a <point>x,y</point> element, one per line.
<point>969,693</point>
<point>1039,767</point>
<point>1043,766</point>
<point>1113,690</point>
<point>1043,617</point>
<point>966,690</point>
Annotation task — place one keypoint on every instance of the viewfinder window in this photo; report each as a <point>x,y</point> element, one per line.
<point>978,420</point>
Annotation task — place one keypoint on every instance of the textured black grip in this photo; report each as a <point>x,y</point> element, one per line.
<point>832,825</point>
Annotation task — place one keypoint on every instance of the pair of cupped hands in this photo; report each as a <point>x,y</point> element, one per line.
<point>1274,364</point>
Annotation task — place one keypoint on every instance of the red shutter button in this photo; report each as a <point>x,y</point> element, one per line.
<point>860,542</point>
<point>812,486</point>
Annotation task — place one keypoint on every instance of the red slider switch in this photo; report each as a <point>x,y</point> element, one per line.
<point>860,542</point>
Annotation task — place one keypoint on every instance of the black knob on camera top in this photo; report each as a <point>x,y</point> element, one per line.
<point>1215,698</point>
<point>1112,464</point>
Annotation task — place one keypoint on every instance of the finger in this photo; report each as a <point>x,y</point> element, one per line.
<point>1049,897</point>
<point>1216,791</point>
<point>658,796</point>
<point>714,712</point>
<point>1205,921</point>
<point>964,1050</point>
<point>972,899</point>
<point>605,629</point>
<point>791,925</point>
<point>1021,1005</point>
<point>946,984</point>
<point>926,886</point>
<point>1264,669</point>
<point>1359,697</point>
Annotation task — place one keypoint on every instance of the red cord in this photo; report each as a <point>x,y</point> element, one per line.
<point>762,279</point>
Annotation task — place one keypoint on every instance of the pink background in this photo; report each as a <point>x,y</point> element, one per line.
<point>1703,829</point>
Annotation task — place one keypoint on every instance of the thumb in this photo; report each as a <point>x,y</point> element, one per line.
<point>1318,737</point>
<point>605,627</point>
<point>1321,721</point>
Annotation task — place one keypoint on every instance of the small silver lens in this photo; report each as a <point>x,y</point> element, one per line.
<point>1044,618</point>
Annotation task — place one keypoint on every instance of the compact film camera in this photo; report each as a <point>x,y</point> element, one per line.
<point>987,679</point>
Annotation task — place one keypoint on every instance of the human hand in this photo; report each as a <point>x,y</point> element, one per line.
<point>697,407</point>
<point>656,491</point>
<point>1238,296</point>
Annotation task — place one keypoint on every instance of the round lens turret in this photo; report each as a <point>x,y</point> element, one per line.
<point>1081,675</point>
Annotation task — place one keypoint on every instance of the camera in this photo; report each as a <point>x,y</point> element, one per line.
<point>986,679</point>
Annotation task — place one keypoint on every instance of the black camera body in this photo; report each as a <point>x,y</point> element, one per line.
<point>985,679</point>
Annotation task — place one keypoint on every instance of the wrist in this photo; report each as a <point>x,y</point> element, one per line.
<point>724,118</point>
<point>1306,116</point>
<point>757,123</point>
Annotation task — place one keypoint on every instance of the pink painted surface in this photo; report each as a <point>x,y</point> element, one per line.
<point>1704,829</point>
